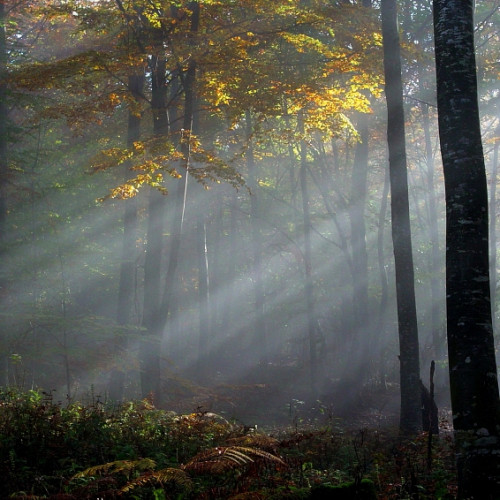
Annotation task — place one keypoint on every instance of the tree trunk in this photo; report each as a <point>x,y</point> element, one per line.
<point>471,351</point>
<point>259,323</point>
<point>357,218</point>
<point>437,309</point>
<point>382,321</point>
<point>129,251</point>
<point>493,229</point>
<point>3,181</point>
<point>188,82</point>
<point>361,341</point>
<point>308,283</point>
<point>411,417</point>
<point>150,345</point>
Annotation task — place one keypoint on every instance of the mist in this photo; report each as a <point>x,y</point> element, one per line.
<point>270,318</point>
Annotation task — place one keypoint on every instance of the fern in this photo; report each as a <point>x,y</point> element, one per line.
<point>225,458</point>
<point>256,440</point>
<point>168,475</point>
<point>125,466</point>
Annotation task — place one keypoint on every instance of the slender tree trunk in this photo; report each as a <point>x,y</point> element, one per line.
<point>410,418</point>
<point>382,322</point>
<point>260,323</point>
<point>203,289</point>
<point>437,309</point>
<point>3,181</point>
<point>493,229</point>
<point>358,229</point>
<point>471,351</point>
<point>308,284</point>
<point>188,82</point>
<point>358,240</point>
<point>199,199</point>
<point>230,268</point>
<point>150,346</point>
<point>217,242</point>
<point>129,250</point>
<point>437,313</point>
<point>361,334</point>
<point>155,318</point>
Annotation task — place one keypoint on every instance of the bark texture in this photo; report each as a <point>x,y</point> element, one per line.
<point>473,372</point>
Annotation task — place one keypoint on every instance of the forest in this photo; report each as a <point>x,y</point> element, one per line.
<point>248,249</point>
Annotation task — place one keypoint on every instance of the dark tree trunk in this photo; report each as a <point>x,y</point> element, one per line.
<point>308,284</point>
<point>188,82</point>
<point>493,229</point>
<point>3,179</point>
<point>3,129</point>
<point>150,345</point>
<point>155,318</point>
<point>129,251</point>
<point>258,282</point>
<point>410,418</point>
<point>471,351</point>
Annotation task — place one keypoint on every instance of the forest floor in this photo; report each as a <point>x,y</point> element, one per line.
<point>241,442</point>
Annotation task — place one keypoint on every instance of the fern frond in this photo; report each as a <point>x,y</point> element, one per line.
<point>125,466</point>
<point>225,458</point>
<point>168,475</point>
<point>257,440</point>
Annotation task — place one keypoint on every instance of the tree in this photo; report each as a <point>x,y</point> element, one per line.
<point>308,281</point>
<point>3,163</point>
<point>410,418</point>
<point>473,372</point>
<point>259,333</point>
<point>129,250</point>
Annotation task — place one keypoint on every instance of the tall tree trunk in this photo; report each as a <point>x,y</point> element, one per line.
<point>410,418</point>
<point>3,181</point>
<point>437,314</point>
<point>203,294</point>
<point>129,250</point>
<point>216,275</point>
<point>150,345</point>
<point>358,229</point>
<point>361,341</point>
<point>308,283</point>
<point>230,267</point>
<point>382,323</point>
<point>258,283</point>
<point>200,199</point>
<point>471,351</point>
<point>155,318</point>
<point>437,309</point>
<point>493,229</point>
<point>188,82</point>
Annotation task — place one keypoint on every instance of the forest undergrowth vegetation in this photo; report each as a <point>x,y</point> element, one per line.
<point>68,450</point>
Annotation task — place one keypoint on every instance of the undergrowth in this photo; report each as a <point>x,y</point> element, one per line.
<point>134,451</point>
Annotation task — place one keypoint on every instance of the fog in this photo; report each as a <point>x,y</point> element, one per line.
<point>238,341</point>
